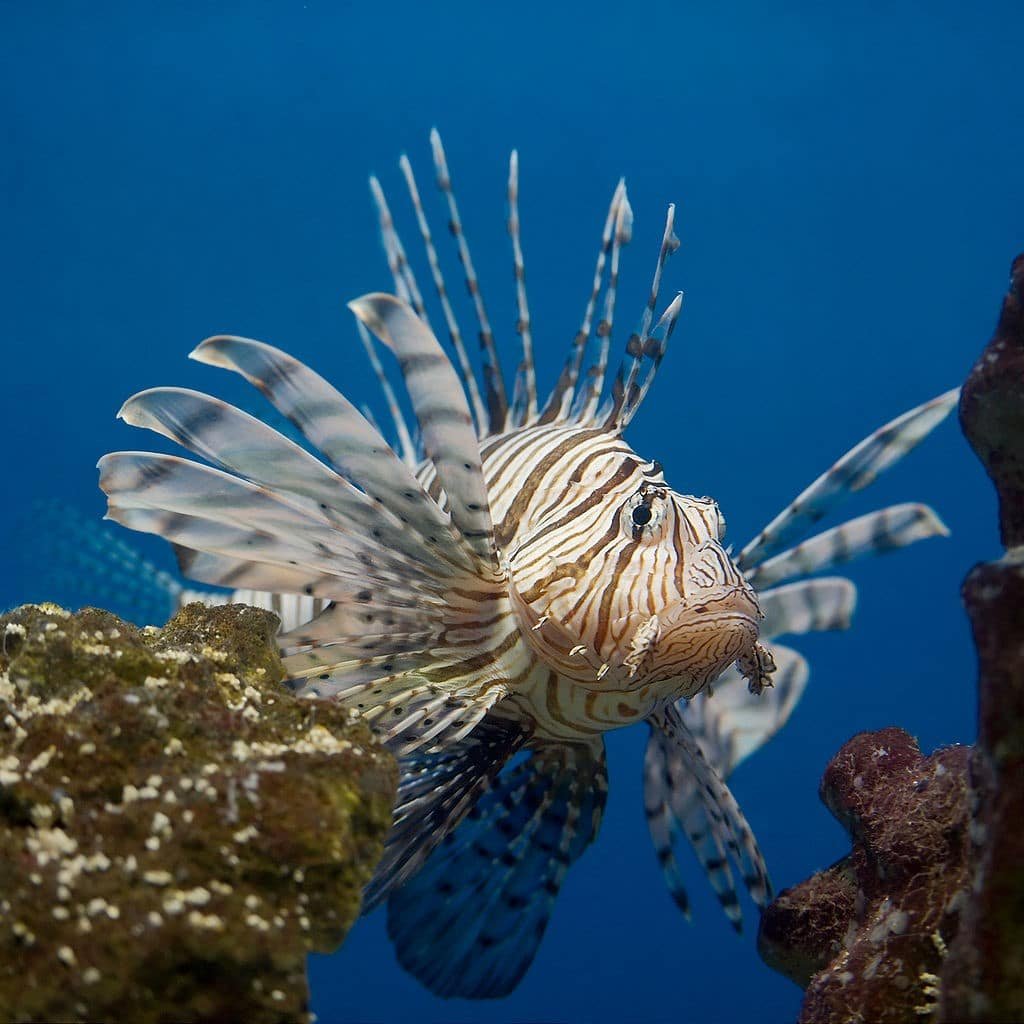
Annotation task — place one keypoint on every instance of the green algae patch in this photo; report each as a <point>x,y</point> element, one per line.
<point>177,831</point>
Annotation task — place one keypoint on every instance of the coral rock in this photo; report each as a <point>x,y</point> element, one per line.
<point>177,830</point>
<point>984,976</point>
<point>868,936</point>
<point>992,409</point>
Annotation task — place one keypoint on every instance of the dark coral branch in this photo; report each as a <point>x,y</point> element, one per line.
<point>868,936</point>
<point>992,409</point>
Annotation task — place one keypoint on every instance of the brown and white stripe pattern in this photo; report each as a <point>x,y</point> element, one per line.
<point>521,580</point>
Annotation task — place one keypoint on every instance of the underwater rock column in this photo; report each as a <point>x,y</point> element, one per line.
<point>177,830</point>
<point>924,920</point>
<point>983,978</point>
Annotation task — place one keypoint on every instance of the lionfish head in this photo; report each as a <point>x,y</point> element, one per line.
<point>626,583</point>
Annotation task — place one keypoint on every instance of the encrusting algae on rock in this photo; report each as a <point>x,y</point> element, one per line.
<point>868,936</point>
<point>177,830</point>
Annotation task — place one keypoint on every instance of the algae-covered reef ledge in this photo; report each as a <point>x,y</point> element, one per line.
<point>177,830</point>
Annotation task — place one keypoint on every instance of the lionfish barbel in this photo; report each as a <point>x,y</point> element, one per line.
<point>497,594</point>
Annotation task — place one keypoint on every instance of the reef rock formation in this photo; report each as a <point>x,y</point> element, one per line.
<point>925,919</point>
<point>176,830</point>
<point>984,976</point>
<point>992,409</point>
<point>868,936</point>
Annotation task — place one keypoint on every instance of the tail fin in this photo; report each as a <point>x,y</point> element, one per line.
<point>75,561</point>
<point>470,921</point>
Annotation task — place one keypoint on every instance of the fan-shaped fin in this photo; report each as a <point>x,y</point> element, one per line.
<point>470,921</point>
<point>441,410</point>
<point>241,444</point>
<point>854,471</point>
<point>435,792</point>
<point>267,527</point>
<point>331,423</point>
<point>685,795</point>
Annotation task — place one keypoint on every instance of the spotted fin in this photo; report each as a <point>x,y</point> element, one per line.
<point>469,922</point>
<point>686,797</point>
<point>853,472</point>
<point>435,792</point>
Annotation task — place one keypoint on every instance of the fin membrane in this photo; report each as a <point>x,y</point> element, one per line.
<point>469,923</point>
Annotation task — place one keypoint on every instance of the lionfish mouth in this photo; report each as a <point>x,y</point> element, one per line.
<point>697,642</point>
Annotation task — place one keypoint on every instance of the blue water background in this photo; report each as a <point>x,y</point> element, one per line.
<point>849,190</point>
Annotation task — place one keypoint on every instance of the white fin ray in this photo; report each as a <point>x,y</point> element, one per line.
<point>142,480</point>
<point>808,606</point>
<point>440,405</point>
<point>853,472</point>
<point>679,778</point>
<point>406,287</point>
<point>877,532</point>
<point>324,575</point>
<point>734,723</point>
<point>560,400</point>
<point>242,444</point>
<point>235,574</point>
<point>625,399</point>
<point>462,364</point>
<point>334,426</point>
<point>585,406</point>
<point>494,380</point>
<point>395,693</point>
<point>409,454</point>
<point>524,403</point>
<point>653,349</point>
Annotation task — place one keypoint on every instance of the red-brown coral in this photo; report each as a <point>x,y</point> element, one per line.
<point>869,935</point>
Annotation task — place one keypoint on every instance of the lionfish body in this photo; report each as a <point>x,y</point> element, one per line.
<point>518,582</point>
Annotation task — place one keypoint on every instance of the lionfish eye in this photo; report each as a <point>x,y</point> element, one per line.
<point>641,515</point>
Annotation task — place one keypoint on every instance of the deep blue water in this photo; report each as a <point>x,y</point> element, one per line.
<point>849,190</point>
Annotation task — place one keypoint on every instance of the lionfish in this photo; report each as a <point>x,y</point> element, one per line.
<point>505,588</point>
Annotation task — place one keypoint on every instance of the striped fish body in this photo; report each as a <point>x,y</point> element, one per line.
<point>496,596</point>
<point>618,586</point>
